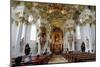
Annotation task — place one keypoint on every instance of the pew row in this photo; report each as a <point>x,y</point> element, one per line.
<point>42,59</point>
<point>80,57</point>
<point>35,60</point>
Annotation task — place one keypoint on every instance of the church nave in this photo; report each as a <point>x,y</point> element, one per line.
<point>49,33</point>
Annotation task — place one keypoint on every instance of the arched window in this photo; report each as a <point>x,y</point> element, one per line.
<point>33,32</point>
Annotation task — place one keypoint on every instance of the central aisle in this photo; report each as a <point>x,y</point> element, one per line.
<point>57,59</point>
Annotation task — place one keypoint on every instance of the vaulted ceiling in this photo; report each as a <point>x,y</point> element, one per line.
<point>56,13</point>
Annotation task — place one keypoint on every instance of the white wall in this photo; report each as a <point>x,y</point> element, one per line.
<point>86,32</point>
<point>14,35</point>
<point>93,31</point>
<point>14,45</point>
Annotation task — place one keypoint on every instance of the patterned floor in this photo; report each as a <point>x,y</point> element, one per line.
<point>57,59</point>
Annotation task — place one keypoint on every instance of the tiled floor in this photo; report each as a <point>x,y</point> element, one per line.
<point>57,59</point>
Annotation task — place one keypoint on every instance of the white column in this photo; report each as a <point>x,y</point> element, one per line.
<point>18,40</point>
<point>73,40</point>
<point>48,43</point>
<point>79,37</point>
<point>90,38</point>
<point>66,43</point>
<point>37,23</point>
<point>14,30</point>
<point>27,33</point>
<point>93,37</point>
<point>39,48</point>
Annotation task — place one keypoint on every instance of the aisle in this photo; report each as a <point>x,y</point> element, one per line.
<point>57,59</point>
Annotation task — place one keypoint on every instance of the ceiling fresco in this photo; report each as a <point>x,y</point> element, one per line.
<point>57,14</point>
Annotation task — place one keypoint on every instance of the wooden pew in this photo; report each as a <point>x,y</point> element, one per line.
<point>85,57</point>
<point>79,56</point>
<point>42,59</point>
<point>36,60</point>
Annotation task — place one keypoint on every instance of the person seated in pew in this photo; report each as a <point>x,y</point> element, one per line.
<point>45,52</point>
<point>67,50</point>
<point>92,51</point>
<point>88,51</point>
<point>27,59</point>
<point>18,61</point>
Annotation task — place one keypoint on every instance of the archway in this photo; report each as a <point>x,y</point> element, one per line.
<point>57,38</point>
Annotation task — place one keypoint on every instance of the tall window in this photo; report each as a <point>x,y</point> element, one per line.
<point>33,32</point>
<point>23,31</point>
<point>78,32</point>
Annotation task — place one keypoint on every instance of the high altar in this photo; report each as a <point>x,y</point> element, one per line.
<point>56,44</point>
